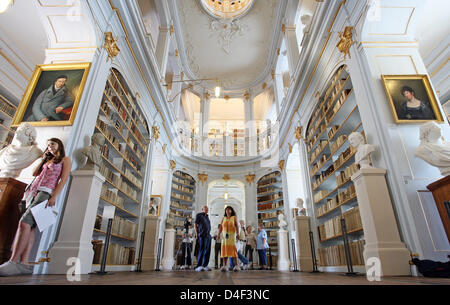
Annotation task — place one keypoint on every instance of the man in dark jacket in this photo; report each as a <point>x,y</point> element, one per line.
<point>202,230</point>
<point>51,102</point>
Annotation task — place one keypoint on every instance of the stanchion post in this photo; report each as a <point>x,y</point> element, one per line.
<point>159,255</point>
<point>141,250</point>
<point>347,248</point>
<point>313,253</point>
<point>105,249</point>
<point>294,254</point>
<point>270,258</point>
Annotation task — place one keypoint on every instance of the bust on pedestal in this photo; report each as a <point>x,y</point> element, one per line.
<point>13,159</point>
<point>377,214</point>
<point>283,245</point>
<point>434,150</point>
<point>168,260</point>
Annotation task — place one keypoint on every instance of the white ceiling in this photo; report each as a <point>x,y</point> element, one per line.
<point>247,56</point>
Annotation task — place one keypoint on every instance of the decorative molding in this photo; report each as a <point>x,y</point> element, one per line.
<point>281,164</point>
<point>173,164</point>
<point>298,133</point>
<point>227,30</point>
<point>226,177</point>
<point>163,148</point>
<point>203,177</point>
<point>250,178</point>
<point>155,133</point>
<point>290,148</point>
<point>346,41</point>
<point>111,46</point>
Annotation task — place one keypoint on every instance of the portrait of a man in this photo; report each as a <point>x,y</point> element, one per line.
<point>411,99</point>
<point>53,95</point>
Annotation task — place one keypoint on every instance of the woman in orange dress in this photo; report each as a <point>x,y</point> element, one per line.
<point>230,230</point>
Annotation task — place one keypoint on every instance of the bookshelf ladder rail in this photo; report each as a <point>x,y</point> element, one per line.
<point>347,249</point>
<point>159,255</point>
<point>105,250</point>
<point>294,255</point>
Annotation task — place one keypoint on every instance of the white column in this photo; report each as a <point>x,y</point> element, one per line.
<point>283,251</point>
<point>168,260</point>
<point>379,223</point>
<point>78,224</point>
<point>162,50</point>
<point>293,52</point>
<point>251,217</point>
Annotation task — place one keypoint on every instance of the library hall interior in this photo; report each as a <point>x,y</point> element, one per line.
<point>224,142</point>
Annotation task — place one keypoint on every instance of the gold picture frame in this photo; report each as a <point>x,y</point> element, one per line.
<point>53,95</point>
<point>159,206</point>
<point>402,89</point>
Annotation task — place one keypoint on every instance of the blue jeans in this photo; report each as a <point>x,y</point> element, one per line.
<point>204,251</point>
<point>241,257</point>
<point>262,257</point>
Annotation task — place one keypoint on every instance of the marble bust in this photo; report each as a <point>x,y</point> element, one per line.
<point>154,204</point>
<point>433,149</point>
<point>302,210</point>
<point>363,150</point>
<point>281,222</point>
<point>93,152</point>
<point>21,153</point>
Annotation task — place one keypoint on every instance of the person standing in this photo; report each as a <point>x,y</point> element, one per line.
<point>202,231</point>
<point>217,246</point>
<point>186,249</point>
<point>262,246</point>
<point>230,230</point>
<point>51,176</point>
<point>251,244</point>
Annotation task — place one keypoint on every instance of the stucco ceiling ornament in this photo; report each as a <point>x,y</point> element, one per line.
<point>250,178</point>
<point>227,30</point>
<point>173,164</point>
<point>111,45</point>
<point>346,41</point>
<point>203,177</point>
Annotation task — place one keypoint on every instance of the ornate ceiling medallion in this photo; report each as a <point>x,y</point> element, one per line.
<point>226,9</point>
<point>226,29</point>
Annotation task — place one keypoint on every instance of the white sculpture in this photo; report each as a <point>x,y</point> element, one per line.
<point>433,149</point>
<point>302,210</point>
<point>363,150</point>
<point>281,222</point>
<point>154,204</point>
<point>21,153</point>
<point>93,152</point>
<point>306,21</point>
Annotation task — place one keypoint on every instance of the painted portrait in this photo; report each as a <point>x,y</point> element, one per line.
<point>411,99</point>
<point>53,95</point>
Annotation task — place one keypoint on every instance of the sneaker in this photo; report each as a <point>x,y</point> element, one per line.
<point>236,268</point>
<point>182,267</point>
<point>245,267</point>
<point>10,269</point>
<point>25,270</point>
<point>198,269</point>
<point>224,269</point>
<point>206,269</point>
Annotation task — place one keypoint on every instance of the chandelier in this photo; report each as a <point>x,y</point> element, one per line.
<point>227,9</point>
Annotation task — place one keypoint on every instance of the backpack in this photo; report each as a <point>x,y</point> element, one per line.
<point>429,268</point>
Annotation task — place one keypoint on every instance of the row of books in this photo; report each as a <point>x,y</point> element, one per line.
<point>269,215</point>
<point>117,254</point>
<point>338,143</point>
<point>7,109</point>
<point>317,151</point>
<point>124,227</point>
<point>174,222</point>
<point>267,182</point>
<point>181,197</point>
<point>269,224</point>
<point>111,194</point>
<point>182,189</point>
<point>313,141</point>
<point>319,195</point>
<point>273,175</point>
<point>183,181</point>
<point>338,105</point>
<point>316,166</point>
<point>116,180</point>
<point>270,206</point>
<point>332,228</point>
<point>184,176</point>
<point>346,174</point>
<point>274,196</point>
<point>335,255</point>
<point>180,213</point>
<point>179,205</point>
<point>341,197</point>
<point>266,190</point>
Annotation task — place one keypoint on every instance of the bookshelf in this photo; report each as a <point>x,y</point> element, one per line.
<point>331,161</point>
<point>182,200</point>
<point>120,120</point>
<point>270,205</point>
<point>7,112</point>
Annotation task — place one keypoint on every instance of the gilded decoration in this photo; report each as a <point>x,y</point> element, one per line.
<point>155,132</point>
<point>298,133</point>
<point>281,164</point>
<point>203,177</point>
<point>250,178</point>
<point>173,164</point>
<point>346,41</point>
<point>111,45</point>
<point>226,177</point>
<point>290,148</point>
<point>164,149</point>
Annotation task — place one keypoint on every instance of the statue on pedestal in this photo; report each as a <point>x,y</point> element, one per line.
<point>363,150</point>
<point>302,210</point>
<point>433,149</point>
<point>154,206</point>
<point>21,153</point>
<point>281,222</point>
<point>93,152</point>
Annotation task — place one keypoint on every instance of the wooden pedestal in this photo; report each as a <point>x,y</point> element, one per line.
<point>11,193</point>
<point>441,193</point>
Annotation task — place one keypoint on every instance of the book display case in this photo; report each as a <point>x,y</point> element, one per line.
<point>182,199</point>
<point>270,205</point>
<point>121,122</point>
<point>332,163</point>
<point>7,112</point>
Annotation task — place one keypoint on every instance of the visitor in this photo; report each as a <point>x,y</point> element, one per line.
<point>262,246</point>
<point>51,176</point>
<point>230,229</point>
<point>217,246</point>
<point>251,244</point>
<point>202,231</point>
<point>240,246</point>
<point>186,249</point>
